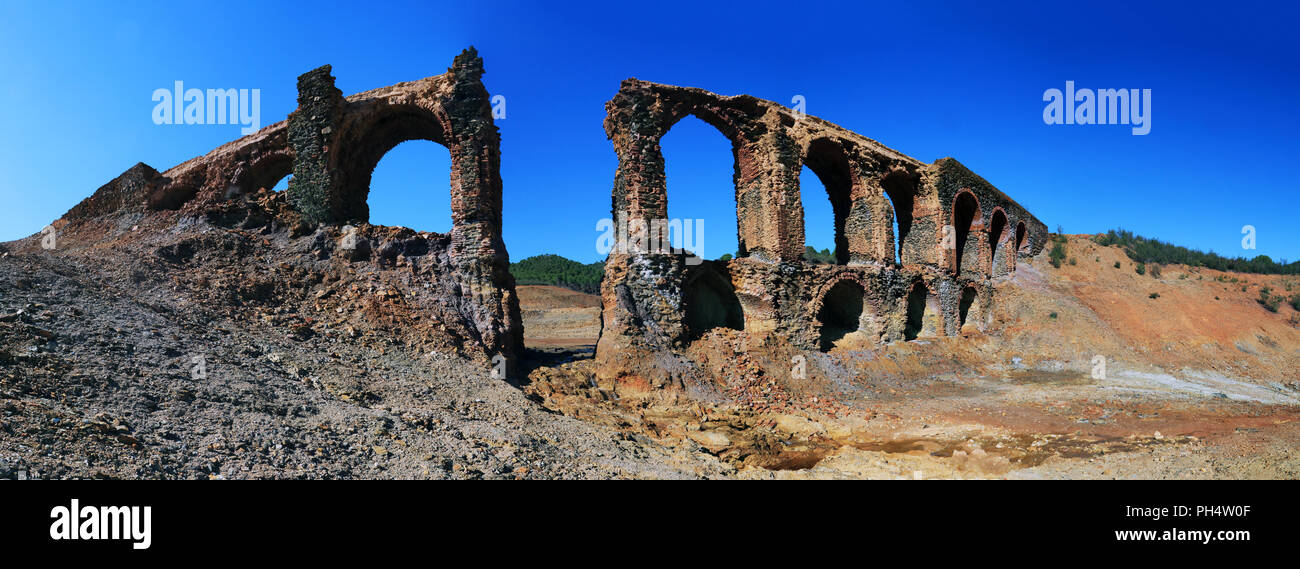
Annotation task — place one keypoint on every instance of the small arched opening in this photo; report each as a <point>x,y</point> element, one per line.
<point>841,313</point>
<point>271,172</point>
<point>710,302</point>
<point>924,315</point>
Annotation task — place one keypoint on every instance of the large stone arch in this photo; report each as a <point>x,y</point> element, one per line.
<point>367,136</point>
<point>829,161</point>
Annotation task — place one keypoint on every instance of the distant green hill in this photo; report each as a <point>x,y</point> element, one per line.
<point>1147,250</point>
<point>555,270</point>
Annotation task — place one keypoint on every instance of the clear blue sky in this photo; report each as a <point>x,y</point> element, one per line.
<point>929,79</point>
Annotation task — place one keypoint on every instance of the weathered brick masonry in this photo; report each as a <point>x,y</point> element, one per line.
<point>938,282</point>
<point>331,145</point>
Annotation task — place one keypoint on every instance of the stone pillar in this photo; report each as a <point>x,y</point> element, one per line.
<point>767,195</point>
<point>313,130</point>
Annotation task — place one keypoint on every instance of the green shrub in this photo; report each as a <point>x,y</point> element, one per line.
<point>1266,298</point>
<point>1154,295</point>
<point>1057,254</point>
<point>1116,264</point>
<point>1141,268</point>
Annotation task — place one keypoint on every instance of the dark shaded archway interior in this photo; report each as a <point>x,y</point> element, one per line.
<point>996,227</point>
<point>917,301</point>
<point>1020,236</point>
<point>968,297</point>
<point>841,313</point>
<point>710,302</point>
<point>267,173</point>
<point>827,160</point>
<point>963,216</point>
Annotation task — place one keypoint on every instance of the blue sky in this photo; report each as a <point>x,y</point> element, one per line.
<point>930,79</point>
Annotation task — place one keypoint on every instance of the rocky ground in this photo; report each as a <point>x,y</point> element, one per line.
<point>210,352</point>
<point>167,347</point>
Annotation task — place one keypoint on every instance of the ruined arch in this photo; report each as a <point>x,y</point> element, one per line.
<point>827,159</point>
<point>1021,235</point>
<point>965,218</point>
<point>997,234</point>
<point>924,315</point>
<point>264,172</point>
<point>709,301</point>
<point>369,136</point>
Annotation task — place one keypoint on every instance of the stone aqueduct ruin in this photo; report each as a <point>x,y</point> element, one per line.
<point>655,301</point>
<point>956,233</point>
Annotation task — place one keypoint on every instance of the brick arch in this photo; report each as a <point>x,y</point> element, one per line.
<point>365,138</point>
<point>263,172</point>
<point>972,314</point>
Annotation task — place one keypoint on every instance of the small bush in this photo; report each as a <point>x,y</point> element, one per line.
<point>1155,270</point>
<point>1074,261</point>
<point>1141,268</point>
<point>1295,301</point>
<point>1052,316</point>
<point>1116,264</point>
<point>1269,302</point>
<point>1154,295</point>
<point>1057,254</point>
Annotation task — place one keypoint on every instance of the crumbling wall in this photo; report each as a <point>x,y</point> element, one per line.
<point>646,292</point>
